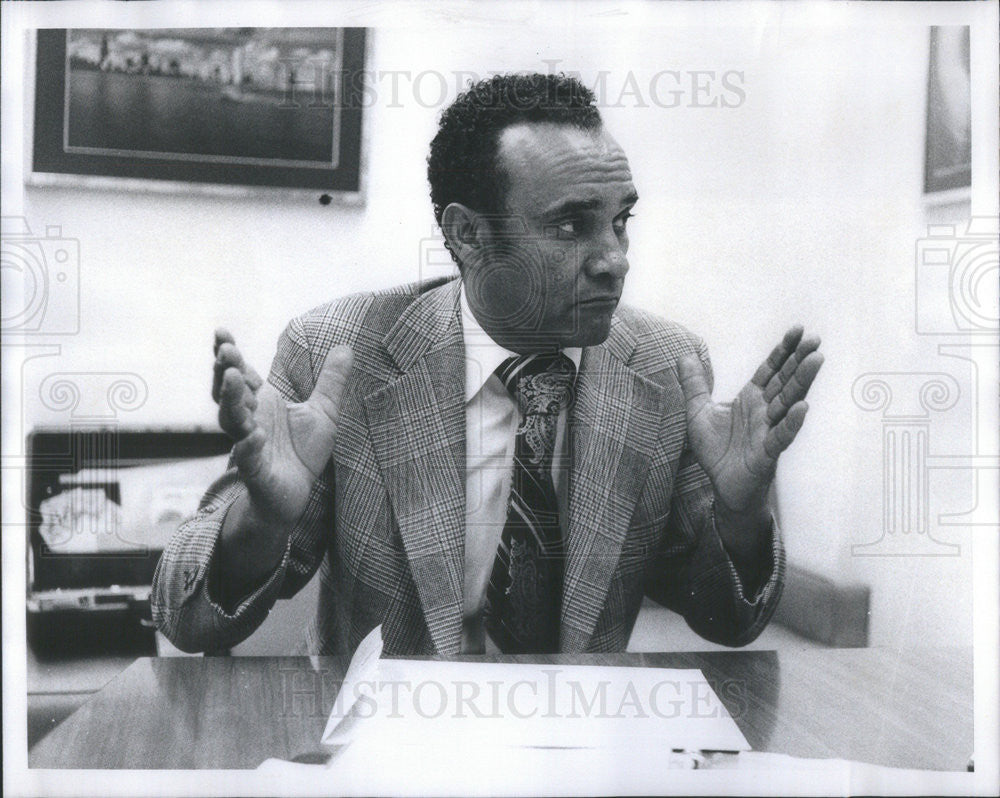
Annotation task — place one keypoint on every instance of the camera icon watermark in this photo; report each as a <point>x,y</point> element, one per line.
<point>522,286</point>
<point>41,280</point>
<point>957,272</point>
<point>435,261</point>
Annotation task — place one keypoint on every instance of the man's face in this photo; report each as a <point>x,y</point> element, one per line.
<point>553,270</point>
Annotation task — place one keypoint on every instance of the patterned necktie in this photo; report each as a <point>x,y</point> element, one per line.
<point>524,595</point>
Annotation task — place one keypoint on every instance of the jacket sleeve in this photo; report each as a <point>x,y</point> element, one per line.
<point>184,595</point>
<point>701,582</point>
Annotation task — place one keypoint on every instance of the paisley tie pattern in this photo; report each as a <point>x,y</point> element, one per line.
<point>525,590</point>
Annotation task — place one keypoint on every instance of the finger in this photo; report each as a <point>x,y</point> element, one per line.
<point>778,381</point>
<point>235,417</point>
<point>796,388</point>
<point>223,361</point>
<point>780,437</point>
<point>222,336</point>
<point>227,356</point>
<point>332,380</point>
<point>235,357</point>
<point>694,384</point>
<point>778,356</point>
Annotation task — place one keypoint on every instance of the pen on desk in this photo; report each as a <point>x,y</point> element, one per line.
<point>701,759</point>
<point>312,758</point>
<point>683,759</point>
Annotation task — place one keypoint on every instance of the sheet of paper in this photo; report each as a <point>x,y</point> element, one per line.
<point>361,676</point>
<point>392,702</point>
<point>415,727</point>
<point>466,769</point>
<point>429,770</point>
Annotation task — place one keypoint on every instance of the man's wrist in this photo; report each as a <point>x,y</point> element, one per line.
<point>745,537</point>
<point>250,548</point>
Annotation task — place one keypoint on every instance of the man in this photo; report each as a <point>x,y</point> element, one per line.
<point>509,460</point>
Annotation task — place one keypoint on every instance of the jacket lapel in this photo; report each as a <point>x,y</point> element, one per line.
<point>613,429</point>
<point>417,424</point>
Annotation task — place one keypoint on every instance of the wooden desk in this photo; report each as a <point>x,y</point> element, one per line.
<point>903,709</point>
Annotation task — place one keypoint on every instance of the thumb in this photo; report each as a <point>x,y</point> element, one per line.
<point>694,384</point>
<point>332,380</point>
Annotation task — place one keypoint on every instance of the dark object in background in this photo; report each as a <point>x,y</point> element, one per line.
<point>88,612</point>
<point>99,583</point>
<point>949,111</point>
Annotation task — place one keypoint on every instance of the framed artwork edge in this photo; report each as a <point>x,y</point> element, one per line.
<point>948,189</point>
<point>43,180</point>
<point>165,187</point>
<point>950,196</point>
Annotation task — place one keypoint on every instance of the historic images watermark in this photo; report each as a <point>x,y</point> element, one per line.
<point>956,302</point>
<point>317,693</point>
<point>314,85</point>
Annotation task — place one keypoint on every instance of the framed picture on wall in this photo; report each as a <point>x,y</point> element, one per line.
<point>276,107</point>
<point>948,162</point>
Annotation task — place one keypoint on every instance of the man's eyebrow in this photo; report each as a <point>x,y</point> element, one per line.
<point>573,206</point>
<point>589,204</point>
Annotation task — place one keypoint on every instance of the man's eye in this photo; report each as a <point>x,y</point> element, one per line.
<point>566,229</point>
<point>622,221</point>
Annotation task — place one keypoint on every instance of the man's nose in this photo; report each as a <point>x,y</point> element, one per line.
<point>607,260</point>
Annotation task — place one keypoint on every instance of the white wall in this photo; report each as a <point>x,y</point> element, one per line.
<point>801,204</point>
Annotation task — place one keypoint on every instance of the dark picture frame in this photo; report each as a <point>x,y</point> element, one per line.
<point>254,107</point>
<point>948,157</point>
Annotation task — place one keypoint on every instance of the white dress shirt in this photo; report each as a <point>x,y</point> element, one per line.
<point>491,421</point>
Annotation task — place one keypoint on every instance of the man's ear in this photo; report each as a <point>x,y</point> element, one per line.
<point>462,230</point>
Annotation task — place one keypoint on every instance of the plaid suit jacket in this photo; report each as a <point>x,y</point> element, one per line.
<point>385,523</point>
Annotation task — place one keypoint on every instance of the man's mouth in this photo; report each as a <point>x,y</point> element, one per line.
<point>600,301</point>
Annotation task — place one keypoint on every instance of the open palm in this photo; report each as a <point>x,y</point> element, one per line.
<point>280,447</point>
<point>737,444</point>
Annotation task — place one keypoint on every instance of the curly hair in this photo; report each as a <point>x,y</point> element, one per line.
<point>463,165</point>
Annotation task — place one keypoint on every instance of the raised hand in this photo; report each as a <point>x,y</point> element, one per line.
<point>738,444</point>
<point>280,447</point>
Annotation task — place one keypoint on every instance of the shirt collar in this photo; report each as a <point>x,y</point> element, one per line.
<point>483,354</point>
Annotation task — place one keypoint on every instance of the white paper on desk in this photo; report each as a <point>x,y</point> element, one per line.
<point>360,679</point>
<point>391,702</point>
<point>423,770</point>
